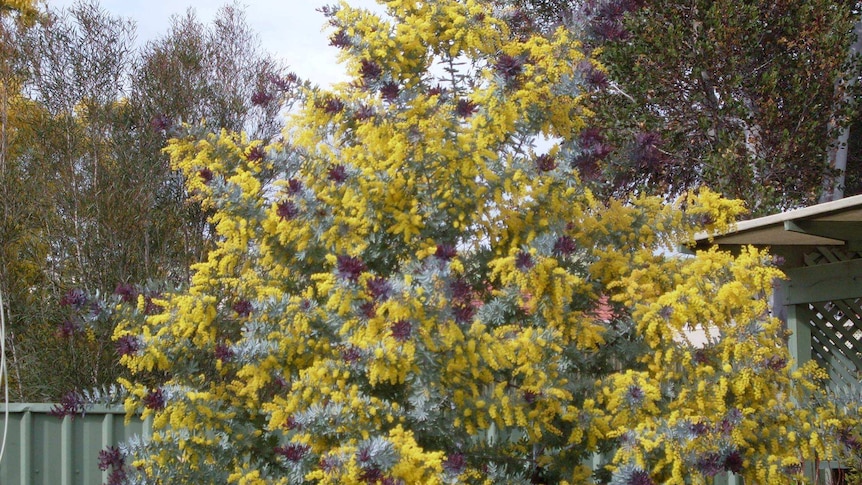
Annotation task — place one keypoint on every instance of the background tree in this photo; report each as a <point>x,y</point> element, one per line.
<point>427,297</point>
<point>92,204</point>
<point>76,64</point>
<point>185,76</point>
<point>742,97</point>
<point>20,277</point>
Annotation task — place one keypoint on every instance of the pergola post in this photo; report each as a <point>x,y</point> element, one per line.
<point>799,342</point>
<point>798,316</point>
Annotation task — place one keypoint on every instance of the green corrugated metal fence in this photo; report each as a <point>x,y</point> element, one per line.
<point>44,450</point>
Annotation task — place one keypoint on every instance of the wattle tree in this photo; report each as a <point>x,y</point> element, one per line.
<point>425,292</point>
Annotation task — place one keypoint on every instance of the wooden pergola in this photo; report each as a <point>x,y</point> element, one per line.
<point>821,299</point>
<point>821,248</point>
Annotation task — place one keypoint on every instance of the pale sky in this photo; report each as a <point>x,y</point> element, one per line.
<point>288,29</point>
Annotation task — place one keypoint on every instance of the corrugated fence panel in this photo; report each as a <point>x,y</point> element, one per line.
<point>44,450</point>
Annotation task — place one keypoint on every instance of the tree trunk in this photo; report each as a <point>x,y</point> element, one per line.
<point>834,187</point>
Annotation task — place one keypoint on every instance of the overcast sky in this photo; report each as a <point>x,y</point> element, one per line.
<point>288,29</point>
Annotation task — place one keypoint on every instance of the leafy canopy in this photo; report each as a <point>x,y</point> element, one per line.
<point>425,295</point>
<point>747,98</point>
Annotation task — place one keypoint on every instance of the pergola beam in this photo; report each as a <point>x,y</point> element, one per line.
<point>841,230</point>
<point>824,282</point>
